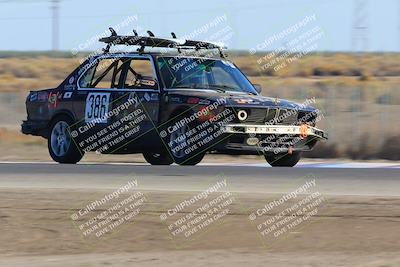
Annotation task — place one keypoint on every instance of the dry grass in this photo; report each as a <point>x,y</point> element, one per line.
<point>11,137</point>
<point>326,64</point>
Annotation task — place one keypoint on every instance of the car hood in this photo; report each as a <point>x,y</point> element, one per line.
<point>243,100</point>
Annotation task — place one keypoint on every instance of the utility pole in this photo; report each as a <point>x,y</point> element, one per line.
<point>55,24</point>
<point>359,47</point>
<point>360,27</point>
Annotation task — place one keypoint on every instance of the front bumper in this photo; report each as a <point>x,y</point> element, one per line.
<point>271,138</point>
<point>305,131</point>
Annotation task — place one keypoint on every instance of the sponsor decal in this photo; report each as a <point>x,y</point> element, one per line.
<point>176,99</point>
<point>147,97</point>
<point>148,82</point>
<point>67,95</point>
<point>53,100</point>
<point>205,114</point>
<point>71,85</point>
<point>204,102</point>
<point>33,97</point>
<point>42,96</point>
<point>154,97</point>
<point>193,100</point>
<point>245,101</point>
<point>303,131</point>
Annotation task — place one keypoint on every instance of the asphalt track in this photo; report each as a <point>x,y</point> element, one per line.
<point>333,179</point>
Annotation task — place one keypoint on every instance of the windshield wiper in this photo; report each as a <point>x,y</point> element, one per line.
<point>196,86</point>
<point>230,88</point>
<point>222,87</point>
<point>192,85</point>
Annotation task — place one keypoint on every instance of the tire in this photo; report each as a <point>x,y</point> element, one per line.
<point>61,147</point>
<point>193,160</point>
<point>158,158</point>
<point>283,160</point>
<point>180,157</point>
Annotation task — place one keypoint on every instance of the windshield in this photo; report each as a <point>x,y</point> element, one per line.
<point>201,73</point>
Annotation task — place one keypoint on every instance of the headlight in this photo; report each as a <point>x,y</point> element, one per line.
<point>242,115</point>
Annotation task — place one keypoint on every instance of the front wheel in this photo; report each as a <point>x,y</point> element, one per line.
<point>158,158</point>
<point>283,160</point>
<point>182,150</point>
<point>61,147</point>
<point>194,160</point>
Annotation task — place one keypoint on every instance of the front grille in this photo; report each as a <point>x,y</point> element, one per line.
<point>270,116</point>
<point>257,115</point>
<point>287,116</point>
<point>307,117</point>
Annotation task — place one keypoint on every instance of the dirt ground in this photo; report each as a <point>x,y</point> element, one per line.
<point>38,230</point>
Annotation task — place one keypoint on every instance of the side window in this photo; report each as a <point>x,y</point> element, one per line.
<point>105,74</point>
<point>87,77</point>
<point>139,74</point>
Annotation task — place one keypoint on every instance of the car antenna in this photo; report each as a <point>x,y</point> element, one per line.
<point>135,32</point>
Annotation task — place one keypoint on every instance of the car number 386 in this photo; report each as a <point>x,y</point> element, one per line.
<point>97,107</point>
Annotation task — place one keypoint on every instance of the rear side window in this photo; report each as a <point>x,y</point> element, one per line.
<point>105,74</point>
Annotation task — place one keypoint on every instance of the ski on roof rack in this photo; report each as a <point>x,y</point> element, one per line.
<point>152,41</point>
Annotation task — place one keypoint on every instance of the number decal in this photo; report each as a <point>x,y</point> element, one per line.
<point>97,107</point>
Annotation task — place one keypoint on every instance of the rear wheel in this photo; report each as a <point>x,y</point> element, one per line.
<point>61,147</point>
<point>158,158</point>
<point>283,160</point>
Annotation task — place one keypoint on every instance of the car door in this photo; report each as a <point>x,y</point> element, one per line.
<point>138,104</point>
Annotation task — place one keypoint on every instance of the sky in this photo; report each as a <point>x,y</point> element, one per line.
<point>26,24</point>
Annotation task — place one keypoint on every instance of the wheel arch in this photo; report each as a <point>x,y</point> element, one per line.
<point>62,112</point>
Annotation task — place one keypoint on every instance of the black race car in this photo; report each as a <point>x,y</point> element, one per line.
<point>170,106</point>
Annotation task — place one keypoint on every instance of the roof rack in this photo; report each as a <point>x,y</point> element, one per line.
<point>152,41</point>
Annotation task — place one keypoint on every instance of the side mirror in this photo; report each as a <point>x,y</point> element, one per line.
<point>258,88</point>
